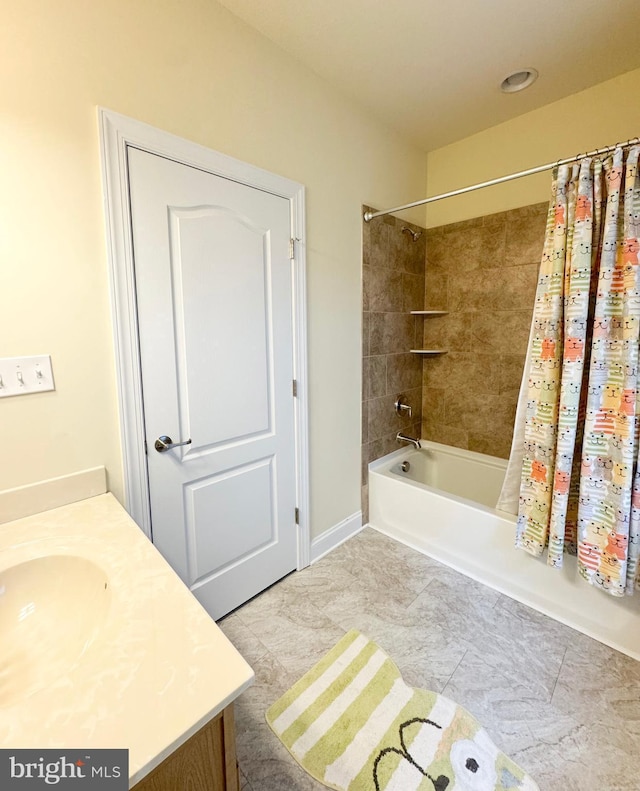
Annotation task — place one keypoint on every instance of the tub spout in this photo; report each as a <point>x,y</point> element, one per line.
<point>400,437</point>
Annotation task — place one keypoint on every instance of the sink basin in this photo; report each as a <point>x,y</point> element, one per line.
<point>51,609</point>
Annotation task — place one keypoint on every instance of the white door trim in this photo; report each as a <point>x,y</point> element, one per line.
<point>117,132</point>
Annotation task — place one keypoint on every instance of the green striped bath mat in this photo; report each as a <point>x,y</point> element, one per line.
<point>352,723</point>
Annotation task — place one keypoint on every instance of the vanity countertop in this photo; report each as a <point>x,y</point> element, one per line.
<point>159,667</point>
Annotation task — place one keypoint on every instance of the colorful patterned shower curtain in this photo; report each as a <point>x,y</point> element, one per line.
<point>576,434</point>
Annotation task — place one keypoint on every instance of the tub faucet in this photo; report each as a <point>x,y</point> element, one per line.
<point>400,437</point>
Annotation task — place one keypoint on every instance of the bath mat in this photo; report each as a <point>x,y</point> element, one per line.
<point>353,724</point>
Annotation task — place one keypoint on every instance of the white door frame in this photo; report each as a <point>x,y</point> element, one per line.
<point>117,132</point>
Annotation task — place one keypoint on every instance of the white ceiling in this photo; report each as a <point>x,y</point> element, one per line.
<point>431,68</point>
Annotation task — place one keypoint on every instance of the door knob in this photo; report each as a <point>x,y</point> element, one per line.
<point>165,443</point>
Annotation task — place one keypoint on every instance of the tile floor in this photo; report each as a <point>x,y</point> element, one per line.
<point>562,705</point>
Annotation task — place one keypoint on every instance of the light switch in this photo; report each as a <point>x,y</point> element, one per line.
<point>24,375</point>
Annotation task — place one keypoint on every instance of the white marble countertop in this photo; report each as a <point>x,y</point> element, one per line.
<point>159,667</point>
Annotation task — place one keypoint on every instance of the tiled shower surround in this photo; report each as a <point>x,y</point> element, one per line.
<point>483,272</point>
<point>393,285</point>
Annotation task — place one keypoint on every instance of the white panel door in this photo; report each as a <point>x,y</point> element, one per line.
<point>214,295</point>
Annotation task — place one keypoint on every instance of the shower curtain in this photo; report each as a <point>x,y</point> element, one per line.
<point>573,476</point>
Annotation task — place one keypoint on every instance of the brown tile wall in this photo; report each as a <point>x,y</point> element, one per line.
<point>393,275</point>
<point>484,272</point>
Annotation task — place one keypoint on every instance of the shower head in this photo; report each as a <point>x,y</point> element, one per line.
<point>415,234</point>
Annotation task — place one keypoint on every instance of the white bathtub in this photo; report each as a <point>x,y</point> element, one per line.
<point>443,507</point>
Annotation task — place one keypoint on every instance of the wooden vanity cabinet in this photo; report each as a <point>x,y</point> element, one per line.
<point>206,762</point>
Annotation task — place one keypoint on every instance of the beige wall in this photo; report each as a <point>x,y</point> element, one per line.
<point>193,69</point>
<point>597,117</point>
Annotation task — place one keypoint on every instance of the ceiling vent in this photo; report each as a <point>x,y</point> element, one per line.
<point>518,80</point>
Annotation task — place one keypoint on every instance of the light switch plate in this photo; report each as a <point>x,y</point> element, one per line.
<point>24,375</point>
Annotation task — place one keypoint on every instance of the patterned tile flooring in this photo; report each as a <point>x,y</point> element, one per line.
<point>562,705</point>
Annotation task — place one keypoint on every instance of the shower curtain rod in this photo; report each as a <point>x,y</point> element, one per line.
<point>370,215</point>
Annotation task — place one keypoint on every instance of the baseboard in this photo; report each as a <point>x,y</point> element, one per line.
<point>335,536</point>
<point>34,498</point>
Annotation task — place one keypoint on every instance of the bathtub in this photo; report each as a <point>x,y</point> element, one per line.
<point>441,504</point>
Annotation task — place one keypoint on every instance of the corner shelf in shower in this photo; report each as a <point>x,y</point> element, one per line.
<point>427,314</point>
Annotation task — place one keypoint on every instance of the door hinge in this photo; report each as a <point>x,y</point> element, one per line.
<point>297,515</point>
<point>292,248</point>
<point>145,448</point>
<point>294,388</point>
